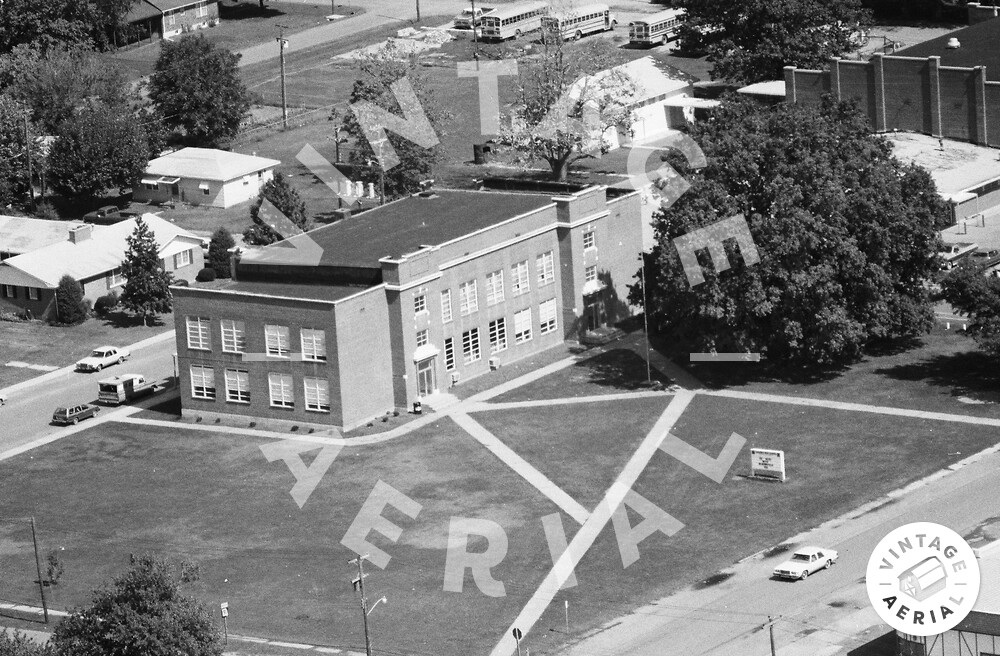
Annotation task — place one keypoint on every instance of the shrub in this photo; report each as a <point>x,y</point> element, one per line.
<point>105,304</point>
<point>206,275</point>
<point>45,210</point>
<point>218,252</point>
<point>70,308</point>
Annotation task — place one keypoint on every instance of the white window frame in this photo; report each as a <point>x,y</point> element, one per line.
<point>182,259</point>
<point>471,347</point>
<point>277,341</point>
<point>589,239</point>
<point>546,269</point>
<point>446,314</point>
<point>9,291</point>
<point>313,342</point>
<point>115,278</point>
<point>283,384</point>
<point>520,282</point>
<point>547,317</point>
<point>494,287</point>
<point>590,273</point>
<point>423,338</point>
<point>234,336</point>
<point>199,333</point>
<point>237,386</point>
<point>522,326</point>
<point>317,394</point>
<point>34,293</point>
<point>420,303</point>
<point>449,354</point>
<point>468,298</point>
<point>498,335</point>
<point>205,376</point>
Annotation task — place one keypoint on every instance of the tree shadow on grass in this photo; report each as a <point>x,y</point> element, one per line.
<point>123,319</point>
<point>621,369</point>
<point>971,374</point>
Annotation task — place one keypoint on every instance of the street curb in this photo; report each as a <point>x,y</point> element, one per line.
<point>58,373</point>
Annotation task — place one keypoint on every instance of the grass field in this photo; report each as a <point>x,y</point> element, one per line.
<point>36,342</point>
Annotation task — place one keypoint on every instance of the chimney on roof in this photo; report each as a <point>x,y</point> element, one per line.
<point>80,233</point>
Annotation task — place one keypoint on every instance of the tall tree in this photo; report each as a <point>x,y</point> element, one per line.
<point>847,236</point>
<point>70,308</point>
<point>142,613</point>
<point>197,90</point>
<point>377,72</point>
<point>752,40</point>
<point>977,297</point>
<point>285,199</point>
<point>13,169</point>
<point>147,285</point>
<point>566,101</point>
<point>49,24</point>
<point>99,148</point>
<point>219,257</point>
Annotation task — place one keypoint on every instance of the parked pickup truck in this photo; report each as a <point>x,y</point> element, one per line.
<point>955,253</point>
<point>120,389</point>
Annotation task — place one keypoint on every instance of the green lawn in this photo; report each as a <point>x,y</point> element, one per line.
<point>36,342</point>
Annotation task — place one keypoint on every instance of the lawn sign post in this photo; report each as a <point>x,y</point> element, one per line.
<point>225,620</point>
<point>767,464</point>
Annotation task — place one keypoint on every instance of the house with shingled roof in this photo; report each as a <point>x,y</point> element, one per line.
<point>204,176</point>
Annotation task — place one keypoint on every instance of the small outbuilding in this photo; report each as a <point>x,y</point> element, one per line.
<point>204,176</point>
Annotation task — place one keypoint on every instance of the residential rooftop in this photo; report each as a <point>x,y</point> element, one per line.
<point>406,225</point>
<point>20,234</point>
<point>978,48</point>
<point>207,164</point>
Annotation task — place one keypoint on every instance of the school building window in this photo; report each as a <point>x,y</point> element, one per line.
<point>519,279</point>
<point>547,316</point>
<point>446,306</point>
<point>199,333</point>
<point>449,354</point>
<point>468,298</point>
<point>233,336</point>
<point>202,382</point>
<point>317,394</point>
<point>182,259</point>
<point>280,387</point>
<point>313,345</point>
<point>589,240</point>
<point>276,341</point>
<point>498,335</point>
<point>419,303</point>
<point>546,269</point>
<point>470,346</point>
<point>422,338</point>
<point>590,273</point>
<point>237,386</point>
<point>522,326</point>
<point>494,287</point>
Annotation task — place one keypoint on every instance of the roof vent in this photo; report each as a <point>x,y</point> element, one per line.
<point>953,43</point>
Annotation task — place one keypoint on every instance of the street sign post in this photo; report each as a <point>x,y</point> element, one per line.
<point>225,621</point>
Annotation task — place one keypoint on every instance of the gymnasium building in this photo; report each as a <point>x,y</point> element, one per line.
<point>380,310</point>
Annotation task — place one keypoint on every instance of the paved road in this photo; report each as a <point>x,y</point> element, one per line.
<point>823,615</point>
<point>26,415</point>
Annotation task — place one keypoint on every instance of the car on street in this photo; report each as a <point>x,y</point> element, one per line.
<point>102,356</point>
<point>953,254</point>
<point>73,414</point>
<point>805,561</point>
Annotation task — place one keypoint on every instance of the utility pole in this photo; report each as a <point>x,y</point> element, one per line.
<point>38,569</point>
<point>359,584</point>
<point>770,626</point>
<point>418,11</point>
<point>381,173</point>
<point>645,316</point>
<point>282,44</point>
<point>475,40</point>
<point>27,157</point>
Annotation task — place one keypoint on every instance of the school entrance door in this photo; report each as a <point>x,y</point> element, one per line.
<point>426,380</point>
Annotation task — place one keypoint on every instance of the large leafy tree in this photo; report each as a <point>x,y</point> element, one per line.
<point>847,236</point>
<point>99,148</point>
<point>147,285</point>
<point>19,644</point>
<point>49,24</point>
<point>978,297</point>
<point>142,613</point>
<point>286,200</point>
<point>752,40</point>
<point>197,90</point>
<point>57,82</point>
<point>13,169</point>
<point>377,72</point>
<point>565,104</point>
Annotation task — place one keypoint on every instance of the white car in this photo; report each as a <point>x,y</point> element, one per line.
<point>466,21</point>
<point>804,562</point>
<point>102,356</point>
